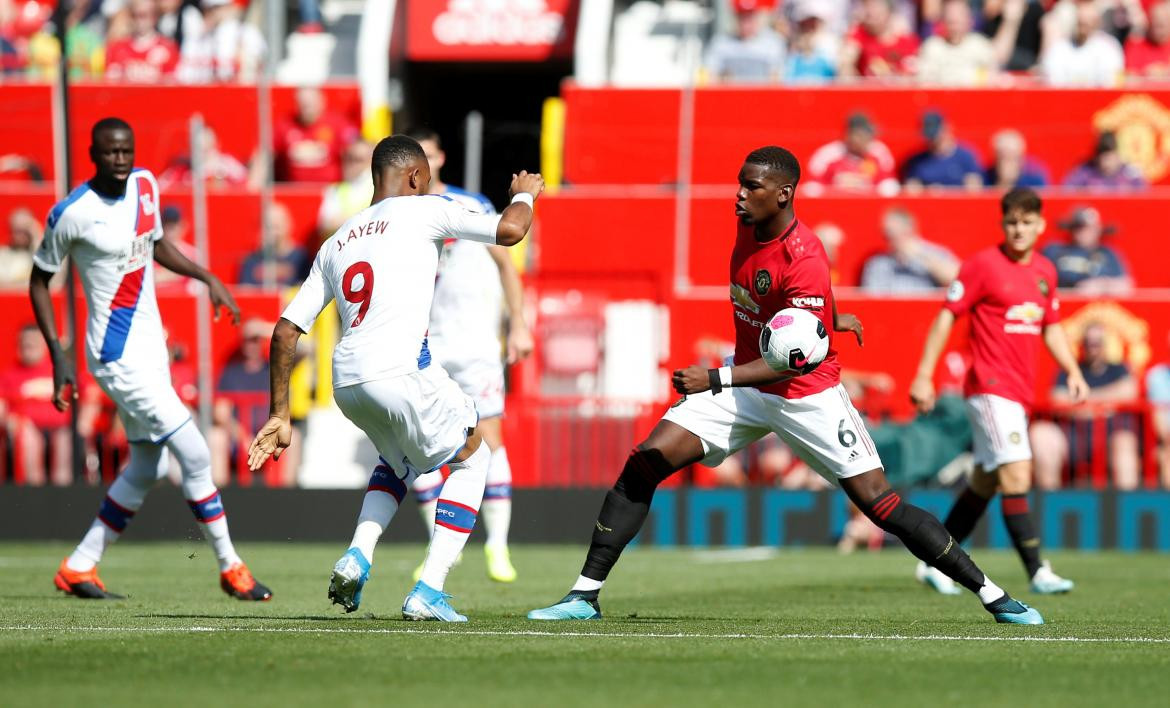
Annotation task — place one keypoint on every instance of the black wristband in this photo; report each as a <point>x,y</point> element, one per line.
<point>713,378</point>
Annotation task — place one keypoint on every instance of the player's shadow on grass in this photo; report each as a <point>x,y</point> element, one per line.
<point>315,618</point>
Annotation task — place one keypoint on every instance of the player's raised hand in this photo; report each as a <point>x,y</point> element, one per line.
<point>922,395</point>
<point>845,322</point>
<point>64,377</point>
<point>693,379</point>
<point>273,438</point>
<point>222,297</point>
<point>520,342</point>
<point>530,182</point>
<point>1078,389</point>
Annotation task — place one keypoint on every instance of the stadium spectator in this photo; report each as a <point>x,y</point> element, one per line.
<point>754,53</point>
<point>1087,57</point>
<point>832,237</point>
<point>145,56</point>
<point>1014,29</point>
<point>308,146</point>
<point>29,416</point>
<point>241,403</point>
<point>19,168</point>
<point>180,20</point>
<point>84,42</point>
<point>1149,56</point>
<point>16,256</point>
<point>944,162</point>
<point>1158,395</point>
<point>813,50</point>
<point>911,263</point>
<point>227,49</point>
<point>858,161</point>
<point>1056,445</point>
<point>288,261</point>
<point>352,194</point>
<point>310,17</point>
<point>879,45</point>
<point>959,56</point>
<point>1012,167</point>
<point>1107,169</point>
<point>1084,263</point>
<point>220,169</point>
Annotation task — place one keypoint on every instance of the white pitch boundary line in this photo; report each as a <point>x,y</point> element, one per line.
<point>603,635</point>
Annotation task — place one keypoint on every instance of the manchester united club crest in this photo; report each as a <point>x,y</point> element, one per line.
<point>1043,285</point>
<point>1142,126</point>
<point>763,282</point>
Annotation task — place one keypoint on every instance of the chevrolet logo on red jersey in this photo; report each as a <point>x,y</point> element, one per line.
<point>1024,318</point>
<point>740,296</point>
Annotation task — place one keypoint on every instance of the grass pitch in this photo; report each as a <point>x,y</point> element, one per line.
<point>746,627</point>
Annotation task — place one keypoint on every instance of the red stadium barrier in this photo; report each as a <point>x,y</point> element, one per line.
<point>630,136</point>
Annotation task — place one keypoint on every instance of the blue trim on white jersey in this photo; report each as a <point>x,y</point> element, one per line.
<point>483,200</point>
<point>59,208</point>
<point>424,356</point>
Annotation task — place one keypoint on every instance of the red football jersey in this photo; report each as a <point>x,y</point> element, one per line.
<point>145,60</point>
<point>1010,304</point>
<point>791,270</point>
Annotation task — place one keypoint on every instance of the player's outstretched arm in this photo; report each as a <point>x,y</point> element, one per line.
<point>519,337</point>
<point>696,379</point>
<point>169,257</point>
<point>64,376</point>
<point>922,389</point>
<point>1057,342</point>
<point>276,434</point>
<point>516,219</point>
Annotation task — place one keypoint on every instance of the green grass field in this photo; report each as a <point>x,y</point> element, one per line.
<point>799,627</point>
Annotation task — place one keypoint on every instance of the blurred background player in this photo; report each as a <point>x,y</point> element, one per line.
<point>111,227</point>
<point>777,263</point>
<point>474,281</point>
<point>1010,292</point>
<point>382,264</point>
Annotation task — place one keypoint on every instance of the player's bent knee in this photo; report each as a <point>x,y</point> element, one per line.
<point>644,470</point>
<point>147,464</point>
<point>1016,477</point>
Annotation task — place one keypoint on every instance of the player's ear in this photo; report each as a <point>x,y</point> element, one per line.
<point>785,194</point>
<point>1043,224</point>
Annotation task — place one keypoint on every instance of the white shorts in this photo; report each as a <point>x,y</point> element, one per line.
<point>417,421</point>
<point>1000,428</point>
<point>150,409</point>
<point>823,429</point>
<point>483,380</point>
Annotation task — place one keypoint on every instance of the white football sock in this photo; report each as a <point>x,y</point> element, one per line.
<point>455,515</point>
<point>990,592</point>
<point>190,449</point>
<point>383,496</point>
<point>587,584</point>
<point>427,488</point>
<point>123,499</point>
<point>497,500</point>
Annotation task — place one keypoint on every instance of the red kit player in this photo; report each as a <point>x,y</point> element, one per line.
<point>1009,291</point>
<point>777,263</point>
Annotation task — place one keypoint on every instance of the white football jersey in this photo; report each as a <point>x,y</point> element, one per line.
<point>380,267</point>
<point>465,316</point>
<point>111,242</point>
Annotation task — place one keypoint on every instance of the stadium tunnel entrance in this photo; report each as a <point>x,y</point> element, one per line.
<point>440,95</point>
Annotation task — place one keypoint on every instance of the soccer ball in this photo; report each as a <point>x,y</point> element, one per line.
<point>794,340</point>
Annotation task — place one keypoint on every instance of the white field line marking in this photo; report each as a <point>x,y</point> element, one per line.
<point>604,635</point>
<point>736,555</point>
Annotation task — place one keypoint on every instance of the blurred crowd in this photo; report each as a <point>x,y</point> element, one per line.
<point>943,42</point>
<point>140,41</point>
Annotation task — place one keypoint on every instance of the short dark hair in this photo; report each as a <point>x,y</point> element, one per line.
<point>1022,198</point>
<point>109,123</point>
<point>421,133</point>
<point>396,151</point>
<point>776,159</point>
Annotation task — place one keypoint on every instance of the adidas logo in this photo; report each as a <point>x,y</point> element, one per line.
<point>853,455</point>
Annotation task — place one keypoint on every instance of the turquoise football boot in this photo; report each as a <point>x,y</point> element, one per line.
<point>426,603</point>
<point>1006,610</point>
<point>350,574</point>
<point>573,606</point>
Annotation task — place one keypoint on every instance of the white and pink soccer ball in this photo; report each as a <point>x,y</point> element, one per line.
<point>794,340</point>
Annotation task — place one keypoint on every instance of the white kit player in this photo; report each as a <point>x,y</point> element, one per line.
<point>475,282</point>
<point>380,267</point>
<point>111,228</point>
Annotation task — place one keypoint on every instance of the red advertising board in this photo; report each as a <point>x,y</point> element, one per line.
<point>490,30</point>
